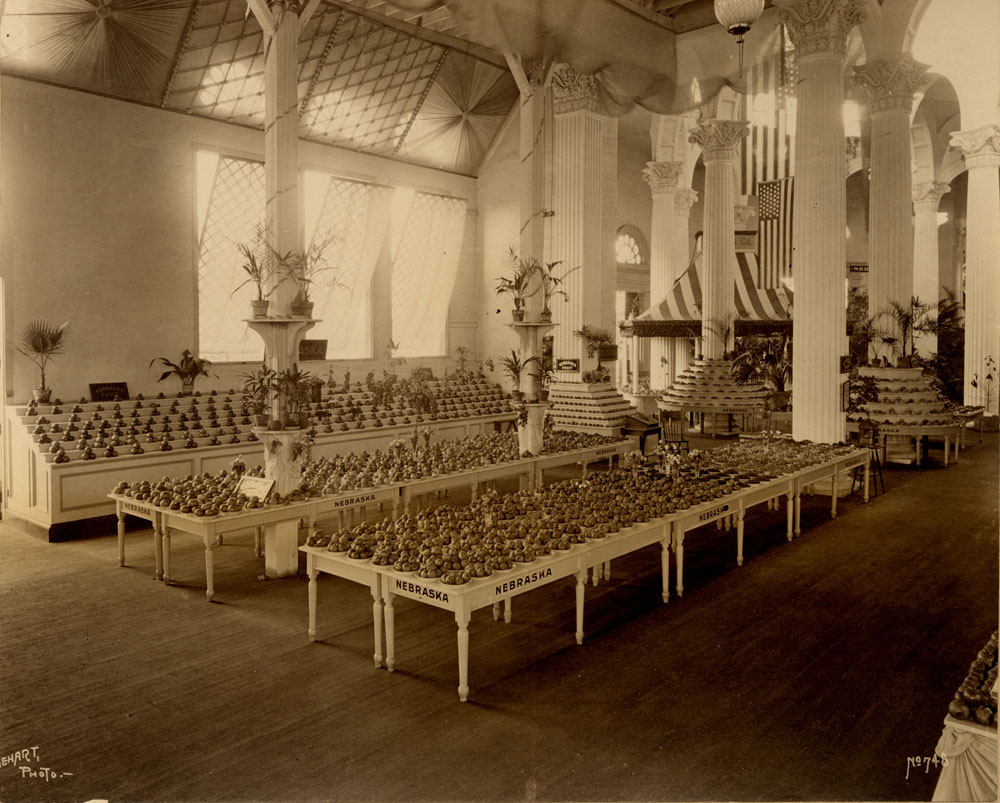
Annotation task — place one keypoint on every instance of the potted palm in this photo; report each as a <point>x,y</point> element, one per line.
<point>293,390</point>
<point>909,319</point>
<point>40,342</point>
<point>516,284</point>
<point>302,269</point>
<point>258,266</point>
<point>550,287</point>
<point>513,366</point>
<point>187,370</point>
<point>545,376</point>
<point>258,388</point>
<point>596,339</point>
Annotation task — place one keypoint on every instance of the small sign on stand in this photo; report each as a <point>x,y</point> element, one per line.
<point>255,486</point>
<point>312,350</point>
<point>108,391</point>
<point>567,365</point>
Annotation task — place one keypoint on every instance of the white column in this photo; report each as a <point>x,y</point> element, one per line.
<point>720,144</point>
<point>981,148</point>
<point>819,33</point>
<point>662,178</point>
<point>889,84</point>
<point>532,149</point>
<point>584,174</point>
<point>680,245</point>
<point>926,274</point>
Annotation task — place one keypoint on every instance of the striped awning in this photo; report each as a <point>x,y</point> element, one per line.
<point>678,313</point>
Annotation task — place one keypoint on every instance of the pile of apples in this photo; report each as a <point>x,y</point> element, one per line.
<point>973,699</point>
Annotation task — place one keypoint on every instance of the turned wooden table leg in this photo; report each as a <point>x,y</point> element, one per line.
<point>166,555</point>
<point>313,577</point>
<point>679,562</point>
<point>665,567</point>
<point>462,619</point>
<point>390,630</point>
<point>210,569</point>
<point>158,549</point>
<point>377,618</point>
<point>581,583</point>
<point>121,538</point>
<point>739,538</point>
<point>790,511</point>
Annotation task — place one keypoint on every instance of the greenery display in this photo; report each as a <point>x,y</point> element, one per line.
<point>258,391</point>
<point>514,366</point>
<point>517,282</point>
<point>595,339</point>
<point>187,370</point>
<point>767,360</point>
<point>40,342</point>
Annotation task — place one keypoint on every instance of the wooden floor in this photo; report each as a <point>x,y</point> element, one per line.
<point>810,673</point>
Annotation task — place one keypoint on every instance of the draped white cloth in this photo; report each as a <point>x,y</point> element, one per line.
<point>971,771</point>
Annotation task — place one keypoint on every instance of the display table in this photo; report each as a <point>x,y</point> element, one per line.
<point>972,417</point>
<point>968,753</point>
<point>918,434</point>
<point>581,457</point>
<point>210,529</point>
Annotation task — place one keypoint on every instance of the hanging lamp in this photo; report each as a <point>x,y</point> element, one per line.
<point>737,17</point>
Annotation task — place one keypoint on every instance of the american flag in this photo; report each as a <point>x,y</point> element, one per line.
<point>775,262</point>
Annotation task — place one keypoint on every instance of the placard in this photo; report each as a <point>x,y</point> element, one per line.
<point>608,353</point>
<point>746,242</point>
<point>312,350</point>
<point>857,267</point>
<point>255,486</point>
<point>108,391</point>
<point>567,365</point>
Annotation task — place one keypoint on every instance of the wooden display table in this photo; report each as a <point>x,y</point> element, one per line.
<point>582,457</point>
<point>210,529</point>
<point>919,433</point>
<point>973,417</point>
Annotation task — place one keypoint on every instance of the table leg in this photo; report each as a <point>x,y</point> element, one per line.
<point>462,618</point>
<point>121,538</point>
<point>833,493</point>
<point>665,566</point>
<point>390,629</point>
<point>595,575</point>
<point>313,576</point>
<point>209,568</point>
<point>739,537</point>
<point>581,582</point>
<point>508,611</point>
<point>868,474</point>
<point>496,611</point>
<point>798,514</point>
<point>607,570</point>
<point>679,561</point>
<point>258,549</point>
<point>947,443</point>
<point>158,548</point>
<point>790,511</point>
<point>166,555</point>
<point>377,619</point>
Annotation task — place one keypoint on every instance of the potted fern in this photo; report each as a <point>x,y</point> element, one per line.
<point>596,339</point>
<point>302,269</point>
<point>258,266</point>
<point>516,284</point>
<point>258,387</point>
<point>293,388</point>
<point>187,370</point>
<point>40,342</point>
<point>550,287</point>
<point>513,366</point>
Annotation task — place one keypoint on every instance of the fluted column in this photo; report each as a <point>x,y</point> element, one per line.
<point>584,174</point>
<point>720,143</point>
<point>662,178</point>
<point>680,245</point>
<point>926,269</point>
<point>819,29</point>
<point>532,151</point>
<point>889,84</point>
<point>981,148</point>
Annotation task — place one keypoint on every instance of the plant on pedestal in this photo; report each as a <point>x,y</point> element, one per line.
<point>258,265</point>
<point>293,389</point>
<point>40,342</point>
<point>545,376</point>
<point>724,328</point>
<point>550,287</point>
<point>187,370</point>
<point>513,366</point>
<point>258,391</point>
<point>765,359</point>
<point>516,283</point>
<point>302,269</point>
<point>909,319</point>
<point>596,339</point>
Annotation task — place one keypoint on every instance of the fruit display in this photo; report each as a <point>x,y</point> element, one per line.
<point>587,408</point>
<point>975,699</point>
<point>708,386</point>
<point>905,398</point>
<point>416,457</point>
<point>95,431</point>
<point>456,545</point>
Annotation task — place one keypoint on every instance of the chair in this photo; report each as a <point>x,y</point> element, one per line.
<point>672,428</point>
<point>868,436</point>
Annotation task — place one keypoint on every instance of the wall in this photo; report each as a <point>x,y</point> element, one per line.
<point>98,229</point>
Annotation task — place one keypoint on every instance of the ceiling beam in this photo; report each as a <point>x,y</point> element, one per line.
<point>472,49</point>
<point>263,14</point>
<point>307,12</point>
<point>175,64</point>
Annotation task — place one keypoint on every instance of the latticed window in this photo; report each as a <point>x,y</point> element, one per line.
<point>351,218</point>
<point>627,249</point>
<point>424,266</point>
<point>231,207</point>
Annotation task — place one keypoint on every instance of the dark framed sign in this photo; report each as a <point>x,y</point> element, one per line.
<point>108,391</point>
<point>609,353</point>
<point>312,350</point>
<point>846,362</point>
<point>567,365</point>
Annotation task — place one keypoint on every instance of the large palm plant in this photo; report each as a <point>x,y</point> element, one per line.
<point>596,339</point>
<point>40,342</point>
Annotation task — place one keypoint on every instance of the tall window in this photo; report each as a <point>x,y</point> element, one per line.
<point>351,217</point>
<point>427,241</point>
<point>230,207</point>
<point>627,249</point>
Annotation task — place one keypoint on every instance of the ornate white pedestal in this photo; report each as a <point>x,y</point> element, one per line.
<point>530,435</point>
<point>284,451</point>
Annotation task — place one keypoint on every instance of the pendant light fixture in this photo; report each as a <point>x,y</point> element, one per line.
<point>737,17</point>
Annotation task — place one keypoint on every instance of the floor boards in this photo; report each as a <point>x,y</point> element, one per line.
<point>810,673</point>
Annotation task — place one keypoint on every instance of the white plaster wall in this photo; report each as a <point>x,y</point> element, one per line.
<point>98,229</point>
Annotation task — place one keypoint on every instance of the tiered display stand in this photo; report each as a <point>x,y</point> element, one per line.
<point>909,412</point>
<point>707,388</point>
<point>583,407</point>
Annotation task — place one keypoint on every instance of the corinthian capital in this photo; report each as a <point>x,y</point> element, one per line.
<point>979,146</point>
<point>684,200</point>
<point>662,176</point>
<point>719,139</point>
<point>573,92</point>
<point>930,192</point>
<point>890,82</point>
<point>821,26</point>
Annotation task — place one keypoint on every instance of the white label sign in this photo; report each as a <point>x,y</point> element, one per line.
<point>255,486</point>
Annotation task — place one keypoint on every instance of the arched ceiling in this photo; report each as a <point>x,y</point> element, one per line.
<point>410,79</point>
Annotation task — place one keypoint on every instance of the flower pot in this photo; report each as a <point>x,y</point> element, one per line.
<point>187,388</point>
<point>258,308</point>
<point>517,395</point>
<point>543,395</point>
<point>290,420</point>
<point>546,316</point>
<point>302,309</point>
<point>261,420</point>
<point>42,395</point>
<point>304,420</point>
<point>518,314</point>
